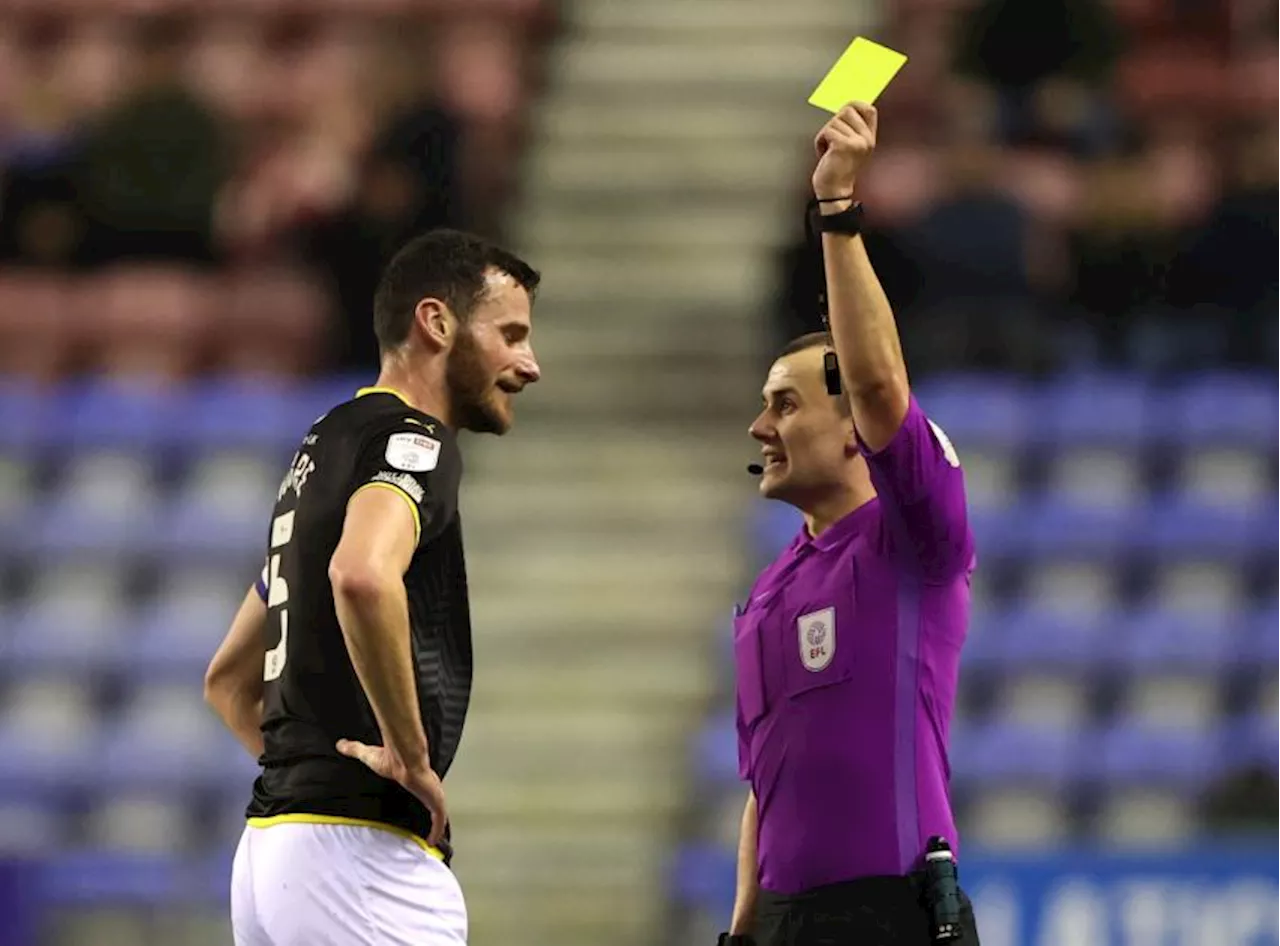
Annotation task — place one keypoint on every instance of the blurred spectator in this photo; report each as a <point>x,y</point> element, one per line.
<point>405,184</point>
<point>41,223</point>
<point>154,163</point>
<point>1227,265</point>
<point>265,138</point>
<point>981,261</point>
<point>1047,61</point>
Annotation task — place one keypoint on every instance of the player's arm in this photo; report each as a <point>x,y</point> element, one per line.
<point>366,571</point>
<point>744,902</point>
<point>233,681</point>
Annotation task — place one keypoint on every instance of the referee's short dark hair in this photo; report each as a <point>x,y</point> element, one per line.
<point>815,340</point>
<point>448,265</point>
<point>804,343</point>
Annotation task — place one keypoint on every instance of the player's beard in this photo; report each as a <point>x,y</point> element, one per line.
<point>472,391</point>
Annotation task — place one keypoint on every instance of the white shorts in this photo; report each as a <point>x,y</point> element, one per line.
<point>302,884</point>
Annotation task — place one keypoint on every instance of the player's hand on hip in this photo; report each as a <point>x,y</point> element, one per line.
<point>843,146</point>
<point>423,783</point>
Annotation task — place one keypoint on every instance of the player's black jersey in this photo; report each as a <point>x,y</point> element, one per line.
<point>312,696</point>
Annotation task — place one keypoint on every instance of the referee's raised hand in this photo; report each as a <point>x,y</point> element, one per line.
<point>423,783</point>
<point>843,146</point>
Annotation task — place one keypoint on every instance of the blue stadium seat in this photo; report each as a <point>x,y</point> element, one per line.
<point>197,532</point>
<point>134,755</point>
<point>703,876</point>
<point>1011,753</point>
<point>1180,527</point>
<point>33,765</point>
<point>1252,741</point>
<point>1093,410</point>
<point>319,397</point>
<point>43,639</point>
<point>28,420</point>
<point>1264,531</point>
<point>1030,638</point>
<point>62,528</point>
<point>238,414</point>
<point>176,638</point>
<point>83,879</point>
<point>776,524</point>
<point>1159,639</point>
<point>1259,639</point>
<point>716,750</point>
<point>1061,528</point>
<point>978,410</point>
<point>1143,754</point>
<point>119,415</point>
<point>999,533</point>
<point>1224,408</point>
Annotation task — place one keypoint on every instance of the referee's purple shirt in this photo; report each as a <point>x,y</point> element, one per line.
<point>847,654</point>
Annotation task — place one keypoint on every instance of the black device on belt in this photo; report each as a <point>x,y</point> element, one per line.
<point>942,891</point>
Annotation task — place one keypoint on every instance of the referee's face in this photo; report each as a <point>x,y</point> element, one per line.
<point>492,358</point>
<point>803,435</point>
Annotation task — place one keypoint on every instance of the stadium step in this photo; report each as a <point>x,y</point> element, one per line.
<point>604,535</point>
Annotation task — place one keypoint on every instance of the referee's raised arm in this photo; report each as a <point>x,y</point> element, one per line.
<point>862,323</point>
<point>912,464</point>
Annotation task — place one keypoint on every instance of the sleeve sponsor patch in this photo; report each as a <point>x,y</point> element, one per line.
<point>944,441</point>
<point>415,453</point>
<point>401,481</point>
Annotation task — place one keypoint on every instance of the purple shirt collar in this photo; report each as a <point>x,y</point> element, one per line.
<point>838,533</point>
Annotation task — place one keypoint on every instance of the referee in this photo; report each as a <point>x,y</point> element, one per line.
<point>847,649</point>
<point>347,671</point>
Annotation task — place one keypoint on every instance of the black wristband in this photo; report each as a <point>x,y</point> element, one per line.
<point>735,940</point>
<point>848,222</point>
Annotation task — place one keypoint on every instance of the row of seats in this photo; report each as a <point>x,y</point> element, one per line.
<point>201,416</point>
<point>1117,410</point>
<point>1156,637</point>
<point>155,316</point>
<point>976,412</point>
<point>1009,752</point>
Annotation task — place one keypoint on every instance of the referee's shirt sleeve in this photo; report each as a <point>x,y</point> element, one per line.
<point>416,461</point>
<point>921,488</point>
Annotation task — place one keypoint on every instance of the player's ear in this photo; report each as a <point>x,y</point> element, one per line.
<point>435,321</point>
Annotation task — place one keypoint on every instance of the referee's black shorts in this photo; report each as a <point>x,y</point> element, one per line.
<point>870,911</point>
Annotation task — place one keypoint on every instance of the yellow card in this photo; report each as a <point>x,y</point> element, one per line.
<point>860,74</point>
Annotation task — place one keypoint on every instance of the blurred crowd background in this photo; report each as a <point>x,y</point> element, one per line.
<point>1073,209</point>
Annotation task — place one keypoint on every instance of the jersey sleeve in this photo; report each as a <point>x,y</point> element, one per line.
<point>417,462</point>
<point>921,488</point>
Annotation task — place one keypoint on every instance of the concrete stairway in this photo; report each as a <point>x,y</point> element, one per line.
<point>605,534</point>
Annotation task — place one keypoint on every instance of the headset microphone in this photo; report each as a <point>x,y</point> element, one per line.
<point>755,469</point>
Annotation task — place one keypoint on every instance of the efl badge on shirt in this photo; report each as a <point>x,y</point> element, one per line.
<point>817,635</point>
<point>413,453</point>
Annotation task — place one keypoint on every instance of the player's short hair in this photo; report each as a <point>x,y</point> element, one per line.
<point>815,340</point>
<point>448,265</point>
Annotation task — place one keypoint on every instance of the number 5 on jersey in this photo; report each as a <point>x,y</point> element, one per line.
<point>278,595</point>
